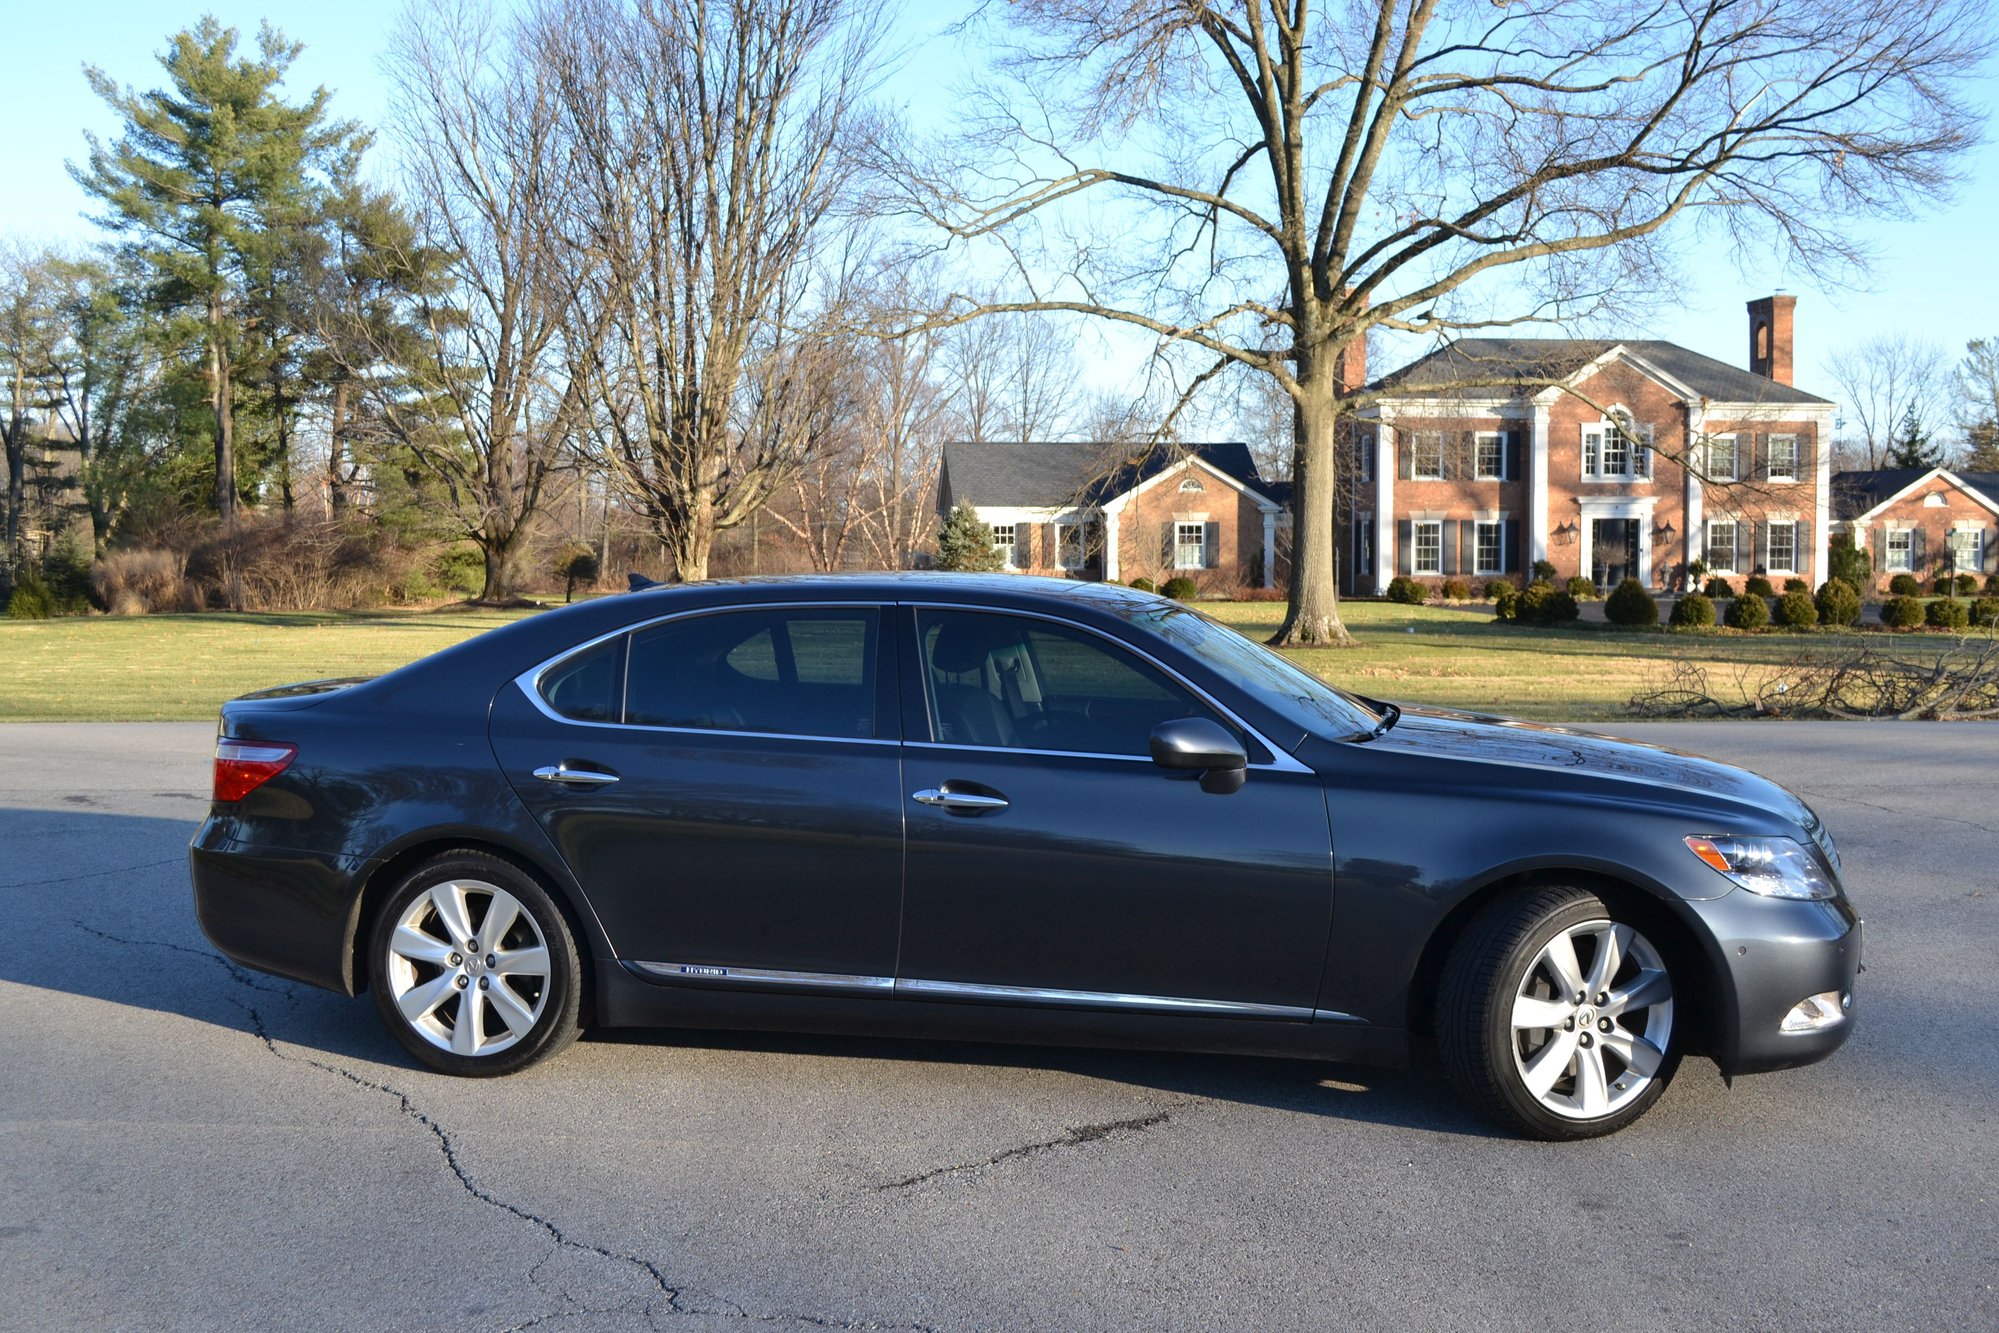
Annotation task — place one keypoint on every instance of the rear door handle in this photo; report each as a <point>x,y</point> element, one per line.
<point>959,802</point>
<point>583,777</point>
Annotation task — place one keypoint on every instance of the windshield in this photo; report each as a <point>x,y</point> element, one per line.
<point>1285,689</point>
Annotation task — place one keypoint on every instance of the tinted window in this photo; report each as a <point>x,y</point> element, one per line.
<point>808,672</point>
<point>585,687</point>
<point>1008,682</point>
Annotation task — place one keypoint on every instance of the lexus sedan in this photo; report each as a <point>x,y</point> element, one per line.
<point>1010,808</point>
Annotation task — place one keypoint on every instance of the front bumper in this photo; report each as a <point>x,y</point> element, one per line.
<point>1772,954</point>
<point>284,912</point>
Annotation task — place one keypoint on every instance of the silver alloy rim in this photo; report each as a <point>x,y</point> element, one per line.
<point>468,967</point>
<point>1592,1018</point>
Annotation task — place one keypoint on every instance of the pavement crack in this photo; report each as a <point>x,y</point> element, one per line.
<point>1891,810</point>
<point>1069,1138</point>
<point>236,970</point>
<point>95,874</point>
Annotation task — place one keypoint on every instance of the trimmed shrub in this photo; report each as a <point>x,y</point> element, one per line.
<point>1456,590</point>
<point>1544,571</point>
<point>1797,610</point>
<point>1144,584</point>
<point>574,564</point>
<point>1797,585</point>
<point>1902,613</point>
<point>1967,585</point>
<point>1849,563</point>
<point>1695,609</point>
<point>1505,600</point>
<point>1545,604</point>
<point>1992,586</point>
<point>1401,589</point>
<point>1747,612</point>
<point>1985,613</point>
<point>1947,614</point>
<point>1719,589</point>
<point>1493,586</point>
<point>31,599</point>
<point>1581,588</point>
<point>1630,604</point>
<point>1964,585</point>
<point>1180,589</point>
<point>1838,602</point>
<point>1757,586</point>
<point>1904,585</point>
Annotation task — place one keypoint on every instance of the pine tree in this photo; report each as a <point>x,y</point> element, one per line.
<point>1981,446</point>
<point>1912,445</point>
<point>966,544</point>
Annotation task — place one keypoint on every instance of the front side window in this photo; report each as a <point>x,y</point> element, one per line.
<point>1014,683</point>
<point>1429,550</point>
<point>1721,547</point>
<point>808,671</point>
<point>1491,448</point>
<point>1427,461</point>
<point>1783,458</point>
<point>1190,546</point>
<point>1489,557</point>
<point>1721,462</point>
<point>1901,551</point>
<point>1783,554</point>
<point>1003,542</point>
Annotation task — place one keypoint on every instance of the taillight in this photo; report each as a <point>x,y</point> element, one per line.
<point>243,766</point>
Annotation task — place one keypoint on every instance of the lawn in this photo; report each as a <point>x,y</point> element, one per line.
<point>158,668</point>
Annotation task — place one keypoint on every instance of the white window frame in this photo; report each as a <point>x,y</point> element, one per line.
<point>1434,527</point>
<point>1734,472</point>
<point>1497,440</point>
<point>1418,442</point>
<point>1907,563</point>
<point>1180,544</point>
<point>1008,546</point>
<point>1480,528</point>
<point>1598,438</point>
<point>1191,484</point>
<point>1977,552</point>
<point>1707,546</point>
<point>1770,560</point>
<point>1065,533</point>
<point>1791,472</point>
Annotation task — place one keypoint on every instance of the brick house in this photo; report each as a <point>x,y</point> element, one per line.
<point>1921,521</point>
<point>1118,512</point>
<point>1608,458</point>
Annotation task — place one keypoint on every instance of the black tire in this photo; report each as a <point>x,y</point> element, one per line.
<point>545,1006</point>
<point>1497,962</point>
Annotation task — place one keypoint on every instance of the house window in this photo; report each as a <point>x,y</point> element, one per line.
<point>1190,546</point>
<point>1783,458</point>
<point>1003,534</point>
<point>1901,550</point>
<point>1615,451</point>
<point>1429,553</point>
<point>1491,447</point>
<point>1721,458</point>
<point>1783,553</point>
<point>1968,545</point>
<point>1490,559</point>
<point>1427,463</point>
<point>1363,544</point>
<point>1363,455</point>
<point>1191,484</point>
<point>1721,547</point>
<point>1069,545</point>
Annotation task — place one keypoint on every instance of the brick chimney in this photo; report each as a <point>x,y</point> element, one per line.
<point>1770,336</point>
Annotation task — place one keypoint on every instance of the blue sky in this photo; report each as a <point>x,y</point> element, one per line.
<point>1937,276</point>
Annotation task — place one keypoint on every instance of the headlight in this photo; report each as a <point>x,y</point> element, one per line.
<point>1773,867</point>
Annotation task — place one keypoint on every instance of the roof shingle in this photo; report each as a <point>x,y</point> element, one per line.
<point>1510,362</point>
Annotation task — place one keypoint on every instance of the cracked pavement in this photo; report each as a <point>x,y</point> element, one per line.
<point>188,1144</point>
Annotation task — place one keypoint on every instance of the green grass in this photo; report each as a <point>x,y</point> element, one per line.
<point>162,668</point>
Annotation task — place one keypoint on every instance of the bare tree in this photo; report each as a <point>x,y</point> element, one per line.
<point>29,331</point>
<point>710,142</point>
<point>1406,165</point>
<point>482,400</point>
<point>1014,377</point>
<point>1883,380</point>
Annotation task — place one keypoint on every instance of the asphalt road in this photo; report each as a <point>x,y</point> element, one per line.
<point>184,1144</point>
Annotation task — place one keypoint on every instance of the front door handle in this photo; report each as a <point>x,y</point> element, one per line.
<point>584,777</point>
<point>959,802</point>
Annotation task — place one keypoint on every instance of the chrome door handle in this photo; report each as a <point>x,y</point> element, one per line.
<point>583,776</point>
<point>963,801</point>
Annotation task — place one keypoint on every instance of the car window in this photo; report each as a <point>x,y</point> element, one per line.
<point>584,688</point>
<point>1010,682</point>
<point>805,672</point>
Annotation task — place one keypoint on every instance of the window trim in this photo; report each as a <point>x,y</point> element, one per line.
<point>1010,549</point>
<point>1180,525</point>
<point>1498,526</point>
<point>1416,526</point>
<point>1977,534</point>
<point>1479,439</point>
<point>1636,436</point>
<point>1771,447</point>
<point>1734,439</point>
<point>1416,438</point>
<point>1081,528</point>
<point>1734,544</point>
<point>1888,565</point>
<point>1770,564</point>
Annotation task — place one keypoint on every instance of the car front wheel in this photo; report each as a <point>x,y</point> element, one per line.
<point>474,968</point>
<point>1555,1017</point>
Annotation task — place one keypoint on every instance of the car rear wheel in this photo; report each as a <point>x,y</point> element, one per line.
<point>474,968</point>
<point>1555,1017</point>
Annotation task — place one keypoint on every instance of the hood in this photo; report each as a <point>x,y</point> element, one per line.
<point>1439,733</point>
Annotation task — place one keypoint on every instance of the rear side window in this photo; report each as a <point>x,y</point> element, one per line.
<point>803,672</point>
<point>585,688</point>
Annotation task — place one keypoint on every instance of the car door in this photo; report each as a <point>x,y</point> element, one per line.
<point>1050,861</point>
<point>726,787</point>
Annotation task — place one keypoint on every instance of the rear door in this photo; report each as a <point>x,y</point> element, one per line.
<point>726,786</point>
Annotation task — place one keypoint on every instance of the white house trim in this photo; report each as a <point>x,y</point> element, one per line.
<point>1262,501</point>
<point>1537,487</point>
<point>1639,507</point>
<point>1934,474</point>
<point>1385,553</point>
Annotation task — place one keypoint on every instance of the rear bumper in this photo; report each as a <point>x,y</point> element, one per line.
<point>1774,954</point>
<point>284,912</point>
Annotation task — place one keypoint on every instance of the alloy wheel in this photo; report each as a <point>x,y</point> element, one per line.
<point>1592,1020</point>
<point>468,967</point>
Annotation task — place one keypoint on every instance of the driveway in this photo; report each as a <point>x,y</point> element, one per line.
<point>184,1144</point>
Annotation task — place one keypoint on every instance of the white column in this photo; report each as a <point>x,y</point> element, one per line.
<point>1110,545</point>
<point>1696,496</point>
<point>1537,488</point>
<point>1384,506</point>
<point>1822,527</point>
<point>1270,548</point>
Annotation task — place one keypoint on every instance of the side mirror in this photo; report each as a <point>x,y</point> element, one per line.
<point>1198,745</point>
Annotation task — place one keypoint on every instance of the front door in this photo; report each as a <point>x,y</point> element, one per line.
<point>1613,550</point>
<point>727,788</point>
<point>1050,862</point>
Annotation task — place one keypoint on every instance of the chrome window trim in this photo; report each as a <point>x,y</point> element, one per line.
<point>1282,763</point>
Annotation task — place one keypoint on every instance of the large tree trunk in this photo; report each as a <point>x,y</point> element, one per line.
<point>336,451</point>
<point>1313,617</point>
<point>695,540</point>
<point>503,576</point>
<point>220,391</point>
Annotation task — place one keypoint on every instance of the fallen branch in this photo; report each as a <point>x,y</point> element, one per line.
<point>1956,681</point>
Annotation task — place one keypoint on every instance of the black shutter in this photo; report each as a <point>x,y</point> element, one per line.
<point>1918,558</point>
<point>1405,454</point>
<point>1509,455</point>
<point>1447,536</point>
<point>1405,546</point>
<point>1742,529</point>
<point>1759,461</point>
<point>1801,558</point>
<point>1510,558</point>
<point>1989,550</point>
<point>1760,551</point>
<point>1468,544</point>
<point>1211,541</point>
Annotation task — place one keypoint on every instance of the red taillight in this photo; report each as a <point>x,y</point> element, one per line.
<point>243,766</point>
